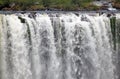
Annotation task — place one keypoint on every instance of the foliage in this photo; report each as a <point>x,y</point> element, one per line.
<point>47,4</point>
<point>117,0</point>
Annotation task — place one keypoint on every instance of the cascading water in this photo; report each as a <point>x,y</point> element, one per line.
<point>117,38</point>
<point>55,46</point>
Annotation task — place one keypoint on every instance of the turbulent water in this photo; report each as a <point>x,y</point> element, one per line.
<point>56,46</point>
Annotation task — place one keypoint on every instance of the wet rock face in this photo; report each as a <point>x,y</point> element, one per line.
<point>118,45</point>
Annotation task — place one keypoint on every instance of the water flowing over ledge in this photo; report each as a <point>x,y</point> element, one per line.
<point>57,46</point>
<point>53,12</point>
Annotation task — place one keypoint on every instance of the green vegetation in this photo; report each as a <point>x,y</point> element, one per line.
<point>47,4</point>
<point>117,0</point>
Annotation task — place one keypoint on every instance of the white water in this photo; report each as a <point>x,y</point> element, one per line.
<point>63,46</point>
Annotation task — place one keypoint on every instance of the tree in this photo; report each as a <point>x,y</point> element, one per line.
<point>117,0</point>
<point>80,2</point>
<point>46,3</point>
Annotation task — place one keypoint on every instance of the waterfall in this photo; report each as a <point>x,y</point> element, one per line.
<point>56,46</point>
<point>117,33</point>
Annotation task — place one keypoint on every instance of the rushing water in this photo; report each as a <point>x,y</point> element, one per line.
<point>56,46</point>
